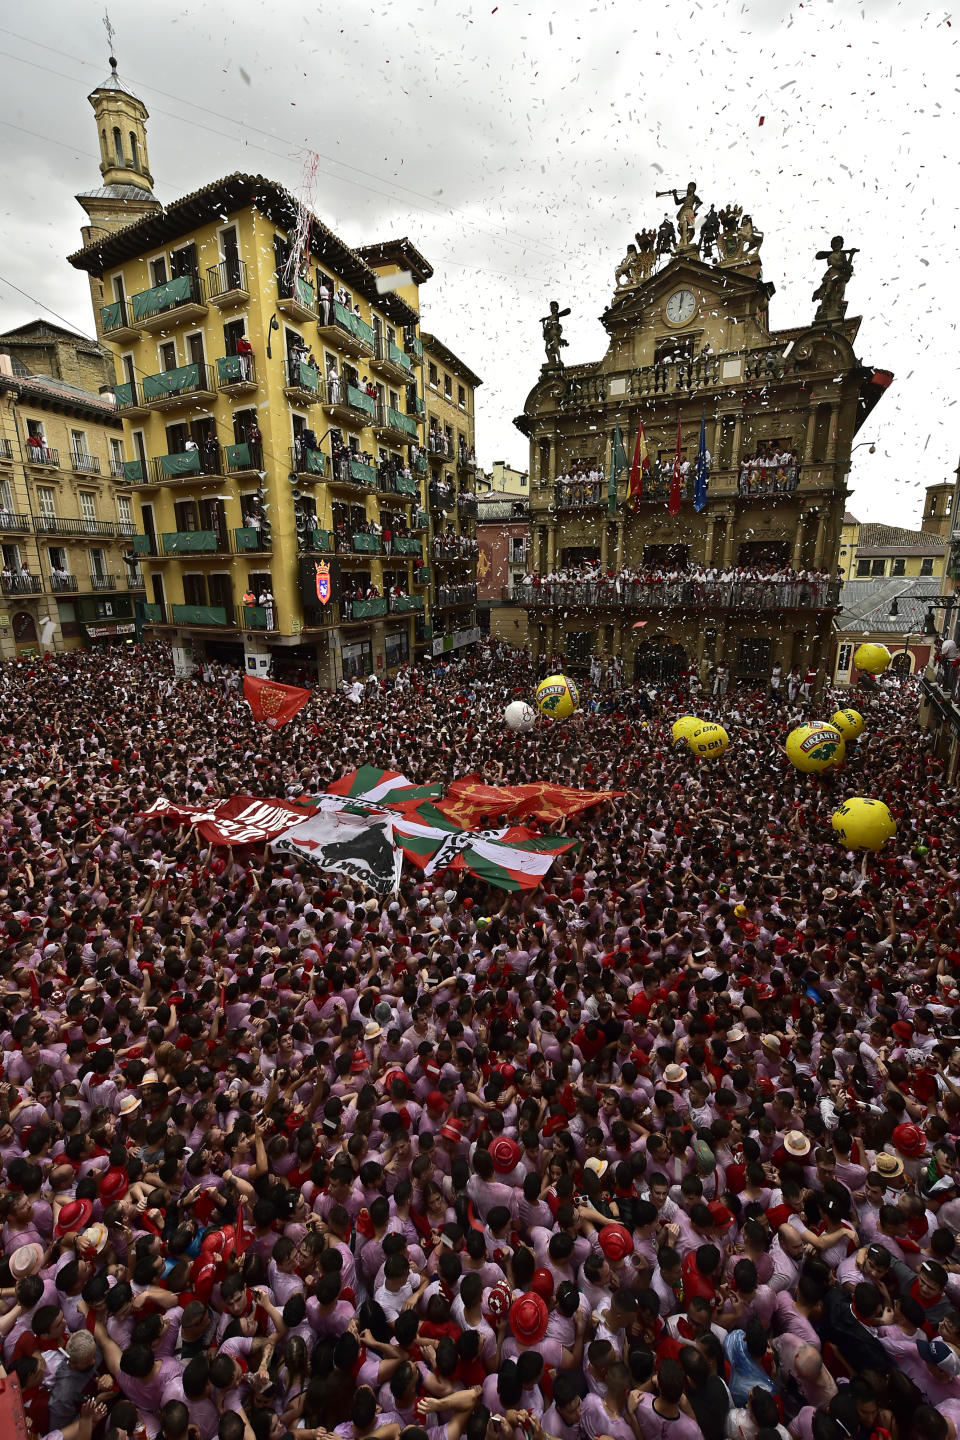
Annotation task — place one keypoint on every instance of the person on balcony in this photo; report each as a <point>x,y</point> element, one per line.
<point>324,299</point>
<point>245,356</point>
<point>211,455</point>
<point>266,604</point>
<point>334,384</point>
<point>386,539</point>
<point>249,599</point>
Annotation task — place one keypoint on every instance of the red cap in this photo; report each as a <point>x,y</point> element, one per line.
<point>781,945</point>
<point>450,1130</point>
<point>542,1283</point>
<point>616,1242</point>
<point>505,1154</point>
<point>114,1184</point>
<point>435,1101</point>
<point>75,1215</point>
<point>722,1217</point>
<point>909,1140</point>
<point>359,1063</point>
<point>903,1030</point>
<point>528,1318</point>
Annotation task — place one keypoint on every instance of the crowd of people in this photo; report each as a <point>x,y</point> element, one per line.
<point>667,1146</point>
<point>769,471</point>
<point>756,586</point>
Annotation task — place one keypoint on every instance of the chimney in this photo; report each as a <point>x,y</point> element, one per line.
<point>6,364</point>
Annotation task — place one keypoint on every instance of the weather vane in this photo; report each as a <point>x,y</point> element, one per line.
<point>111,33</point>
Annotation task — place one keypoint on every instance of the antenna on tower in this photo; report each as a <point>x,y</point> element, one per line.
<point>111,37</point>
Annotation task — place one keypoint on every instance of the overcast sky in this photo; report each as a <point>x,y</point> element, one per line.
<point>520,145</point>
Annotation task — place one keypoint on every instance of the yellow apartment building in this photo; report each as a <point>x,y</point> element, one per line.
<point>449,391</point>
<point>270,380</point>
<point>68,577</point>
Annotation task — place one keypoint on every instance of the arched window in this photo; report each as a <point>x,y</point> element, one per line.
<point>117,145</point>
<point>134,152</point>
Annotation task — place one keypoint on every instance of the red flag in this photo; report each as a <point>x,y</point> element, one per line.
<point>676,482</point>
<point>240,1238</point>
<point>639,469</point>
<point>273,704</point>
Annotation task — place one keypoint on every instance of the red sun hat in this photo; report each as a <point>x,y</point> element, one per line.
<point>505,1154</point>
<point>909,1140</point>
<point>616,1242</point>
<point>74,1216</point>
<point>114,1184</point>
<point>359,1062</point>
<point>528,1318</point>
<point>542,1284</point>
<point>450,1130</point>
<point>435,1101</point>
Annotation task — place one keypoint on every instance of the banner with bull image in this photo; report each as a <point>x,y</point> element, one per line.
<point>360,846</point>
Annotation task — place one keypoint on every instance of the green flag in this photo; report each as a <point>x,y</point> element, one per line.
<point>618,463</point>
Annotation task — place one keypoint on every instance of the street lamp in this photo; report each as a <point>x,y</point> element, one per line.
<point>871,443</point>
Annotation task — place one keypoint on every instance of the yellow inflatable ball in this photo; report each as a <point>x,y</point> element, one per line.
<point>708,740</point>
<point>864,824</point>
<point>872,659</point>
<point>849,723</point>
<point>815,747</point>
<point>557,697</point>
<point>684,728</point>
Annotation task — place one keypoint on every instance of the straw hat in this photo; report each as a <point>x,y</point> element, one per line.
<point>25,1260</point>
<point>796,1144</point>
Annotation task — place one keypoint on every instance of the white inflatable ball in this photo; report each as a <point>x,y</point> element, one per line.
<point>520,716</point>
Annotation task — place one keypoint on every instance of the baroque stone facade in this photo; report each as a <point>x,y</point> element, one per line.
<point>690,342</point>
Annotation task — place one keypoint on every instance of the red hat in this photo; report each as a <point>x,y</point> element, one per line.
<point>722,1217</point>
<point>781,945</point>
<point>359,1063</point>
<point>391,1076</point>
<point>616,1242</point>
<point>542,1283</point>
<point>114,1184</point>
<point>528,1318</point>
<point>435,1101</point>
<point>505,1154</point>
<point>507,1071</point>
<point>553,1123</point>
<point>74,1216</point>
<point>450,1130</point>
<point>903,1030</point>
<point>909,1140</point>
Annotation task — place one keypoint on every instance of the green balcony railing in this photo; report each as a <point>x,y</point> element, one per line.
<point>238,457</point>
<point>301,376</point>
<point>406,485</point>
<point>365,543</point>
<point>414,346</point>
<point>320,540</point>
<point>114,317</point>
<point>179,291</point>
<point>142,545</point>
<point>398,357</point>
<point>420,521</point>
<point>199,615</point>
<point>369,609</point>
<point>362,473</point>
<point>416,405</point>
<point>398,421</point>
<point>153,614</point>
<point>303,293</point>
<point>248,537</point>
<point>346,319</point>
<point>360,400</point>
<point>408,602</point>
<point>132,472</point>
<point>422,576</point>
<point>419,465</point>
<point>235,369</point>
<point>187,463</point>
<point>189,542</point>
<point>407,545</point>
<point>313,462</point>
<point>182,380</point>
<point>253,617</point>
<point>126,396</point>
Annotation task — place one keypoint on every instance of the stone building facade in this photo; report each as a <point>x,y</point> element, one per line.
<point>690,342</point>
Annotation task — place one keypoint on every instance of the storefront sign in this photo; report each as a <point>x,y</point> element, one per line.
<point>101,632</point>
